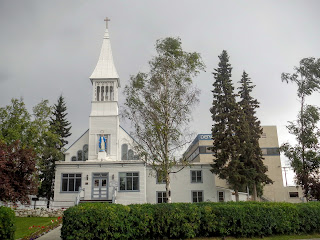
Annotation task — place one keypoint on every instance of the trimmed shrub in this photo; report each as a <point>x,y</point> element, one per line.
<point>188,220</point>
<point>7,223</point>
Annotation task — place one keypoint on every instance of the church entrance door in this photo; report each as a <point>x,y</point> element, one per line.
<point>100,186</point>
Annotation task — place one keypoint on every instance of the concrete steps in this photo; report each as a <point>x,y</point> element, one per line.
<point>96,200</point>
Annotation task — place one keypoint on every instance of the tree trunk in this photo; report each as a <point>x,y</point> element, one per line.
<point>168,188</point>
<point>304,172</point>
<point>254,192</point>
<point>237,195</point>
<point>48,202</point>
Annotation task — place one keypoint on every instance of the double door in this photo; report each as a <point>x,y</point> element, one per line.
<point>100,186</point>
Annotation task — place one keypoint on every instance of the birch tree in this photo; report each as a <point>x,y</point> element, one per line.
<point>304,155</point>
<point>159,103</point>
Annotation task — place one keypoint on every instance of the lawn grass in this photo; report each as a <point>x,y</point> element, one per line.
<point>23,224</point>
<point>279,237</point>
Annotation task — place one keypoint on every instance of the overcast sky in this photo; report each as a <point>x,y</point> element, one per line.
<point>52,47</point>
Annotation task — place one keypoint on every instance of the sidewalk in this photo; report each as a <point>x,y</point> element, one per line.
<point>52,235</point>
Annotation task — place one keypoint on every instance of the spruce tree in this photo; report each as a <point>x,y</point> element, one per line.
<point>53,142</point>
<point>250,132</point>
<point>59,122</point>
<point>225,129</point>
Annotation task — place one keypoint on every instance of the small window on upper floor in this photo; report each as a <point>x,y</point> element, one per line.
<point>74,158</point>
<point>270,151</point>
<point>196,176</point>
<point>161,178</point>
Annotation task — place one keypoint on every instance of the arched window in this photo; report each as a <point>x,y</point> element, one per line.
<point>124,152</point>
<point>98,93</point>
<point>85,152</point>
<point>107,93</point>
<point>79,155</point>
<point>111,93</point>
<point>74,158</point>
<point>130,155</point>
<point>102,93</point>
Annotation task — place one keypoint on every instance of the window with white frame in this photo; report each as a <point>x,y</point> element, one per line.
<point>220,196</point>
<point>129,181</point>
<point>197,196</point>
<point>71,182</point>
<point>161,197</point>
<point>196,176</point>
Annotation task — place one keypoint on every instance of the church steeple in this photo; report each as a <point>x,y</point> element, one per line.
<point>104,116</point>
<point>105,68</point>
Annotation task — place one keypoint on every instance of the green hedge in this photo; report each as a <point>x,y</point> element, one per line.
<point>7,223</point>
<point>188,220</point>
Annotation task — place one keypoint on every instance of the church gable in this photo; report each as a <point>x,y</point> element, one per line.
<point>78,151</point>
<point>127,144</point>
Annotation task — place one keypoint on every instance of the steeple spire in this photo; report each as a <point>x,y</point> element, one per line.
<point>105,68</point>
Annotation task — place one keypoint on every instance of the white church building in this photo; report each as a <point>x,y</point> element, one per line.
<point>101,165</point>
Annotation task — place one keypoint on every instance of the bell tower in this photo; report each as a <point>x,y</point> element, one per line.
<point>104,116</point>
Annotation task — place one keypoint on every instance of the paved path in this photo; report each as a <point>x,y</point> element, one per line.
<point>52,235</point>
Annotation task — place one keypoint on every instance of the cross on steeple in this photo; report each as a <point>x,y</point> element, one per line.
<point>107,20</point>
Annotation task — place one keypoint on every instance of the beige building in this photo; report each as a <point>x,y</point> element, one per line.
<point>198,152</point>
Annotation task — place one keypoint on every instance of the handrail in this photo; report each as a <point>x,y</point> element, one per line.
<point>78,196</point>
<point>114,195</point>
<point>265,199</point>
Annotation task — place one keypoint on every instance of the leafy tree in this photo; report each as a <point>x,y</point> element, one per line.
<point>304,155</point>
<point>59,123</point>
<point>17,172</point>
<point>250,133</point>
<point>15,124</point>
<point>35,133</point>
<point>159,103</point>
<point>226,128</point>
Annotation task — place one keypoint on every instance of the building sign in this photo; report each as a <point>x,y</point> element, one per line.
<point>205,137</point>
